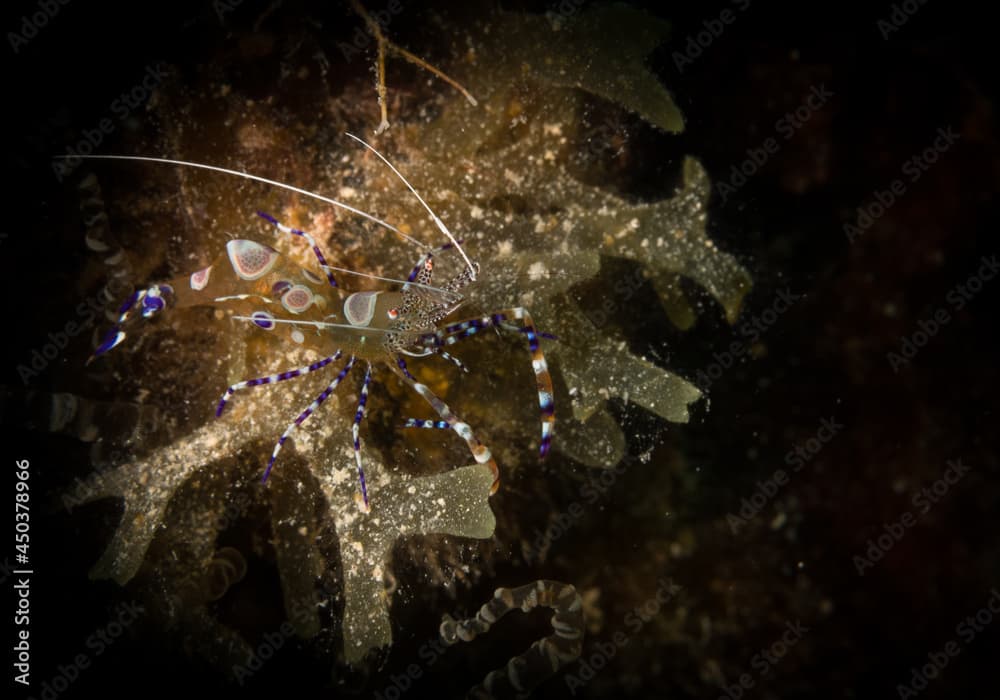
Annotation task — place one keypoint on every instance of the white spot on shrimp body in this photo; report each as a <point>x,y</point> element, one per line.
<point>251,260</point>
<point>199,279</point>
<point>297,299</point>
<point>359,308</point>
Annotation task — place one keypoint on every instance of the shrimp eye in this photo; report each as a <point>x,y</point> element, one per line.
<point>393,314</point>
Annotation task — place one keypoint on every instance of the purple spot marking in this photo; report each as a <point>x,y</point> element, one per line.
<point>262,319</point>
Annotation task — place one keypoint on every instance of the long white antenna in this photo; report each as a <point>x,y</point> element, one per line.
<point>440,290</point>
<point>317,324</point>
<point>238,173</point>
<point>434,217</point>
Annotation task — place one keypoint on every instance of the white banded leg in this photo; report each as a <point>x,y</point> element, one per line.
<point>306,413</point>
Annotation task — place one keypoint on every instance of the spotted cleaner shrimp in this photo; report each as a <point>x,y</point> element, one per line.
<point>260,286</point>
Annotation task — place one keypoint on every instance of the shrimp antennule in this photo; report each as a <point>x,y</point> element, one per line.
<point>434,217</point>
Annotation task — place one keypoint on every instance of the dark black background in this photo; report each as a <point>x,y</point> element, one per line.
<point>826,358</point>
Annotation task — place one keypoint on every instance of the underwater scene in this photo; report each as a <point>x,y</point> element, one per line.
<point>385,349</point>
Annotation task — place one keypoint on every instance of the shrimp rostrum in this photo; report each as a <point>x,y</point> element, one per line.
<point>312,309</point>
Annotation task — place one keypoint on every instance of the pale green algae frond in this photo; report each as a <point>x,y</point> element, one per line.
<point>454,502</point>
<point>531,86</point>
<point>497,174</point>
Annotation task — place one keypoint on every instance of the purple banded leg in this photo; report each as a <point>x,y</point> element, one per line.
<point>480,452</point>
<point>401,363</point>
<point>362,401</point>
<point>452,359</point>
<point>317,402</point>
<point>273,378</point>
<point>506,318</point>
<point>296,232</point>
<point>419,423</point>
